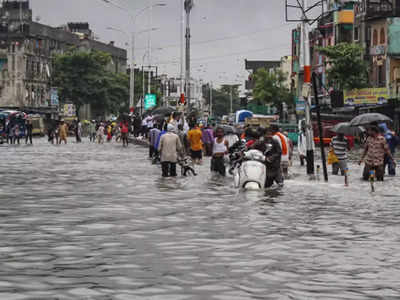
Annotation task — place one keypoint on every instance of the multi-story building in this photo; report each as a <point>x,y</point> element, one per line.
<point>27,49</point>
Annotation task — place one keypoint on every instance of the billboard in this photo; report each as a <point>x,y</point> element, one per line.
<point>363,97</point>
<point>150,101</point>
<point>54,96</point>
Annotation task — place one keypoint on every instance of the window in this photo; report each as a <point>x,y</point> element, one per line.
<point>382,37</point>
<point>375,38</point>
<point>356,33</point>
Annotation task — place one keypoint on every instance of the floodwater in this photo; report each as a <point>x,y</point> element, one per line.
<point>87,221</point>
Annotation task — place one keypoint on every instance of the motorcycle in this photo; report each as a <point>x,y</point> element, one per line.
<point>250,172</point>
<point>249,169</point>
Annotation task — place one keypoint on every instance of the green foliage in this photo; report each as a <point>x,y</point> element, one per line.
<point>222,100</point>
<point>269,88</point>
<point>82,78</point>
<point>347,69</point>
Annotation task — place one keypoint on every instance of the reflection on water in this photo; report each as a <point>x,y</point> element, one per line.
<point>98,222</point>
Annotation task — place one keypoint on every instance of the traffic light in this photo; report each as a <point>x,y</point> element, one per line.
<point>183,101</point>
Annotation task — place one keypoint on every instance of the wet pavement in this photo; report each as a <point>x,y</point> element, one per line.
<point>87,221</point>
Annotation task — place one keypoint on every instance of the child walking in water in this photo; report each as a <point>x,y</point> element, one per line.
<point>100,134</point>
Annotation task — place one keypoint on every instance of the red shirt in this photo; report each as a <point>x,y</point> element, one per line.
<point>124,128</point>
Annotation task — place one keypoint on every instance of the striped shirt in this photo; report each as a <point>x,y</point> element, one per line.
<point>340,147</point>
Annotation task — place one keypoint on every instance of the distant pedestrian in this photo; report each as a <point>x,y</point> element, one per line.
<point>393,141</point>
<point>208,139</point>
<point>63,132</point>
<point>29,131</point>
<point>16,134</point>
<point>78,131</point>
<point>100,134</point>
<point>196,145</point>
<point>183,138</point>
<point>340,146</point>
<point>285,149</point>
<point>374,154</point>
<point>153,136</point>
<point>169,147</point>
<point>109,133</point>
<point>219,150</point>
<point>124,133</point>
<point>92,131</point>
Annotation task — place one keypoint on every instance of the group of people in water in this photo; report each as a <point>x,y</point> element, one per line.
<point>98,132</point>
<point>171,144</point>
<point>16,129</point>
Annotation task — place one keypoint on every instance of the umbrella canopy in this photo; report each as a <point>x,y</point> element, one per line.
<point>346,129</point>
<point>166,111</point>
<point>158,118</point>
<point>367,119</point>
<point>242,115</point>
<point>228,129</point>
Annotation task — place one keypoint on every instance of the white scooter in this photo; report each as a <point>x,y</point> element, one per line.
<point>251,172</point>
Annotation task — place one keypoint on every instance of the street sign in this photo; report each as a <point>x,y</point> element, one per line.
<point>150,101</point>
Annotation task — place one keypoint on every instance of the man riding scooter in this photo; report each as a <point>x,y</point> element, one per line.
<point>272,151</point>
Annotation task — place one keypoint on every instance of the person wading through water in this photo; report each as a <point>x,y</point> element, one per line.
<point>374,154</point>
<point>219,150</point>
<point>169,147</point>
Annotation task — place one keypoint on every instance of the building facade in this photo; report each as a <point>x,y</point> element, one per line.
<point>27,49</point>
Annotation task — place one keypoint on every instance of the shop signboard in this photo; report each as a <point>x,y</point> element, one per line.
<point>300,106</point>
<point>365,97</point>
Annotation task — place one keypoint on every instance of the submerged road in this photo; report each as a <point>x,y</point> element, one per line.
<point>86,221</point>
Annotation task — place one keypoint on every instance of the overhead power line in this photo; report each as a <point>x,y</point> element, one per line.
<point>226,55</point>
<point>229,37</point>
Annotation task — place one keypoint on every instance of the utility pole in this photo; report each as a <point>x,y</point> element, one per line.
<point>182,52</point>
<point>151,25</point>
<point>188,8</point>
<point>211,98</point>
<point>132,74</point>
<point>231,99</point>
<point>307,91</point>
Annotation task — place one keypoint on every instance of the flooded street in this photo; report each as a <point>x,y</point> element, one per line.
<point>87,221</point>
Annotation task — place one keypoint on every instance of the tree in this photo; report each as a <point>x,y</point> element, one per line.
<point>269,88</point>
<point>81,77</point>
<point>117,93</point>
<point>222,100</point>
<point>347,69</point>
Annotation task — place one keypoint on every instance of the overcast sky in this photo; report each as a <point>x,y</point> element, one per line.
<point>224,32</point>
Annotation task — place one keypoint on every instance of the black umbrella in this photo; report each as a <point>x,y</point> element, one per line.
<point>166,111</point>
<point>346,129</point>
<point>367,119</point>
<point>158,118</point>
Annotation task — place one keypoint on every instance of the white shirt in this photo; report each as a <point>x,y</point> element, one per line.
<point>232,139</point>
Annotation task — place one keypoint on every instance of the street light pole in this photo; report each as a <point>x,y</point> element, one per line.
<point>132,74</point>
<point>132,70</point>
<point>188,8</point>
<point>151,25</point>
<point>211,98</point>
<point>307,91</point>
<point>231,99</point>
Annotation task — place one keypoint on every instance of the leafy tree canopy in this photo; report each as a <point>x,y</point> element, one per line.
<point>347,69</point>
<point>269,88</point>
